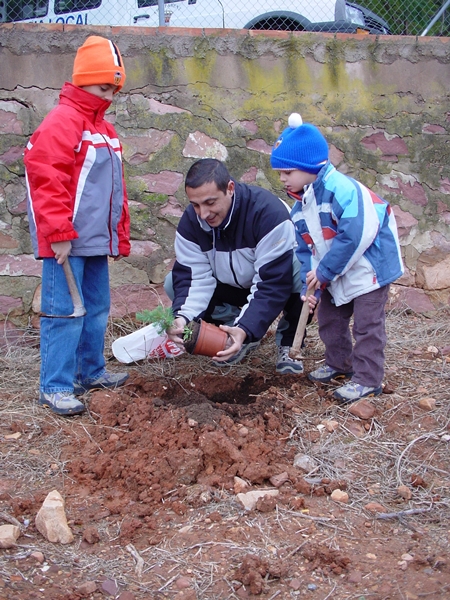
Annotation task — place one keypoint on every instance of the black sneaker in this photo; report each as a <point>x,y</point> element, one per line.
<point>107,380</point>
<point>236,358</point>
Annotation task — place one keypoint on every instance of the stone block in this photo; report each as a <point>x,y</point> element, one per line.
<point>165,182</point>
<point>412,298</point>
<point>129,299</point>
<point>9,535</point>
<point>51,520</point>
<point>433,270</point>
<point>200,145</point>
<point>23,264</point>
<point>406,223</point>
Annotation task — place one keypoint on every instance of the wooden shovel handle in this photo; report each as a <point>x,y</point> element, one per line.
<point>78,307</point>
<point>301,328</point>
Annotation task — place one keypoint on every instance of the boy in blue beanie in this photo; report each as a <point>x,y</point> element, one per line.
<point>349,251</point>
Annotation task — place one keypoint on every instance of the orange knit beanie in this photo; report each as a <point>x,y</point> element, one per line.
<point>98,61</point>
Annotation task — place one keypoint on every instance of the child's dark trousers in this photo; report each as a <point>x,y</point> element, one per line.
<point>366,357</point>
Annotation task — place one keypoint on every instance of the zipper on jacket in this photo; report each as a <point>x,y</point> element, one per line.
<point>214,249</point>
<point>230,256</point>
<point>216,231</point>
<point>111,196</point>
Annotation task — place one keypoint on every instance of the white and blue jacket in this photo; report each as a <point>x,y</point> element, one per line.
<point>348,234</point>
<point>252,249</point>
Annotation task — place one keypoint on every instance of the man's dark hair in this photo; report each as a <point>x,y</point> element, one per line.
<point>207,170</point>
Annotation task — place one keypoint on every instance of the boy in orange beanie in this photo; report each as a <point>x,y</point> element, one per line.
<point>78,212</point>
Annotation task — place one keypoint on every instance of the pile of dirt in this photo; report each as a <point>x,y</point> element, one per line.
<point>150,448</point>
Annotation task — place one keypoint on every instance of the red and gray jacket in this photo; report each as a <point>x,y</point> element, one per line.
<point>74,173</point>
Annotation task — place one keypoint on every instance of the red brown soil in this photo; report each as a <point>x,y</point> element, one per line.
<point>154,466</point>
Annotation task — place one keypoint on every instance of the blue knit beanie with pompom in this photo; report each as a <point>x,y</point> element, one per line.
<point>301,146</point>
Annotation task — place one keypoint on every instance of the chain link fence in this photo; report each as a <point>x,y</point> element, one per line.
<point>398,17</point>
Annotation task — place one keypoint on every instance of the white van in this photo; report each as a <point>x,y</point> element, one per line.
<point>293,15</point>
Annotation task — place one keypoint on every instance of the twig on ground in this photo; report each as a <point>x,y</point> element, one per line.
<point>332,591</point>
<point>138,558</point>
<point>168,582</point>
<point>295,550</point>
<point>11,520</point>
<point>426,436</point>
<point>403,513</point>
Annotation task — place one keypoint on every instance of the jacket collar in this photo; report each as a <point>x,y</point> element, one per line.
<point>92,106</point>
<point>322,175</point>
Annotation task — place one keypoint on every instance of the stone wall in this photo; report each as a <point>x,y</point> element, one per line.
<point>382,103</point>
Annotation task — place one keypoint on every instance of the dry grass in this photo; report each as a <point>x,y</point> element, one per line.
<point>374,465</point>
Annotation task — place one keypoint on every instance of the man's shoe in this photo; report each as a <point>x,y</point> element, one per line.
<point>286,364</point>
<point>352,391</point>
<point>107,380</point>
<point>236,358</point>
<point>324,374</point>
<point>61,403</point>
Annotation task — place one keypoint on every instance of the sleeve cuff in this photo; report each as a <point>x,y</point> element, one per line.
<point>321,278</point>
<point>176,315</point>
<point>250,337</point>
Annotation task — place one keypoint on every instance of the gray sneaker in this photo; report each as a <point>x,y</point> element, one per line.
<point>286,364</point>
<point>236,358</point>
<point>61,403</point>
<point>352,392</point>
<point>107,380</point>
<point>324,374</point>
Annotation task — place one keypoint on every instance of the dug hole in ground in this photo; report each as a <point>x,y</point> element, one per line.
<point>153,475</point>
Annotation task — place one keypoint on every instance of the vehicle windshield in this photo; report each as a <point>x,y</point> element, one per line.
<point>17,10</point>
<point>65,6</point>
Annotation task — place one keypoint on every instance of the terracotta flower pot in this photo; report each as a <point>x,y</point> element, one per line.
<point>207,339</point>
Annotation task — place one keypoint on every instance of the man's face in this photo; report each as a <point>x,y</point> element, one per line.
<point>294,181</point>
<point>209,203</point>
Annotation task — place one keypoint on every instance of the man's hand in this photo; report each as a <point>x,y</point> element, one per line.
<point>61,250</point>
<point>236,337</point>
<point>175,333</point>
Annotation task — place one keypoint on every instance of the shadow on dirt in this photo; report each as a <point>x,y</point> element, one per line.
<point>222,389</point>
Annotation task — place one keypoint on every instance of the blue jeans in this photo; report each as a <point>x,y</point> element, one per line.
<point>72,349</point>
<point>221,311</point>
